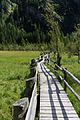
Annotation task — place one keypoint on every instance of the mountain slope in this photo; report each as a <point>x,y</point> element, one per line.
<point>38,21</point>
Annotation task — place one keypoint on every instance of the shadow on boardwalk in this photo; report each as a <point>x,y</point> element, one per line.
<point>53,81</point>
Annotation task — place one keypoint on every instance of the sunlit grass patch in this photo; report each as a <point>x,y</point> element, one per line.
<point>71,64</point>
<point>14,69</point>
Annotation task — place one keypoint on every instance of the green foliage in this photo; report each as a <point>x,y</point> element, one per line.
<point>30,21</point>
<point>55,23</point>
<point>10,34</point>
<point>72,65</point>
<point>14,71</point>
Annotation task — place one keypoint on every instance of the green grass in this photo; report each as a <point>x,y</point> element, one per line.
<point>72,65</point>
<point>14,69</point>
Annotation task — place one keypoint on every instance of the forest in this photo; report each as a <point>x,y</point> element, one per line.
<point>27,29</point>
<point>46,24</point>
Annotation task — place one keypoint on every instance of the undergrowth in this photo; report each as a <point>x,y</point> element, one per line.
<point>14,70</point>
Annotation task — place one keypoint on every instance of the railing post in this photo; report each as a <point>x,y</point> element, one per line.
<point>20,108</point>
<point>38,95</point>
<point>33,103</point>
<point>38,83</point>
<point>29,87</point>
<point>48,57</point>
<point>78,55</point>
<point>33,67</point>
<point>65,78</point>
<point>58,59</point>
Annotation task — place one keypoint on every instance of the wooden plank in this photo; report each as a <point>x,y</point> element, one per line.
<point>33,104</point>
<point>48,100</point>
<point>52,99</point>
<point>45,91</point>
<point>69,108</point>
<point>56,115</point>
<point>53,95</point>
<point>54,102</point>
<point>59,111</point>
<point>42,118</point>
<point>53,87</point>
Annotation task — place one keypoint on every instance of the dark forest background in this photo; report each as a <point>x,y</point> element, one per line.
<point>40,25</point>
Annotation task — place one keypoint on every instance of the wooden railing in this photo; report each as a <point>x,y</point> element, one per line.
<point>65,73</point>
<point>28,110</point>
<point>33,100</point>
<point>33,103</point>
<point>32,83</point>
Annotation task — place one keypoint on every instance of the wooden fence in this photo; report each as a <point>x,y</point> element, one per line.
<point>33,103</point>
<point>66,73</point>
<point>30,112</point>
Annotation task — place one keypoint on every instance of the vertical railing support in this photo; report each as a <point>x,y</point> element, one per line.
<point>78,55</point>
<point>20,108</point>
<point>38,83</point>
<point>33,67</point>
<point>58,59</point>
<point>38,95</point>
<point>29,87</point>
<point>65,78</point>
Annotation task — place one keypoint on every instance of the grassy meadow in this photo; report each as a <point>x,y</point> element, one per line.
<point>14,69</point>
<point>73,66</point>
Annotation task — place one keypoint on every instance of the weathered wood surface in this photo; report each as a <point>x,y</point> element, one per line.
<point>19,109</point>
<point>54,102</point>
<point>33,104</point>
<point>66,85</point>
<point>72,76</point>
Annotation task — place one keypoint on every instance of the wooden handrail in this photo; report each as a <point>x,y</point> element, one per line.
<point>33,104</point>
<point>30,79</point>
<point>72,76</point>
<point>58,67</point>
<point>72,90</point>
<point>66,72</point>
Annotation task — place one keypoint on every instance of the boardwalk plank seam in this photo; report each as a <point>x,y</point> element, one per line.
<point>54,102</point>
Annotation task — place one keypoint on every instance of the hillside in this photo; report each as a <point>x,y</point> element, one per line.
<point>38,21</point>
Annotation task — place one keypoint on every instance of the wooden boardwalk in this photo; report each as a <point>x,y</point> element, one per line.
<point>54,102</point>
